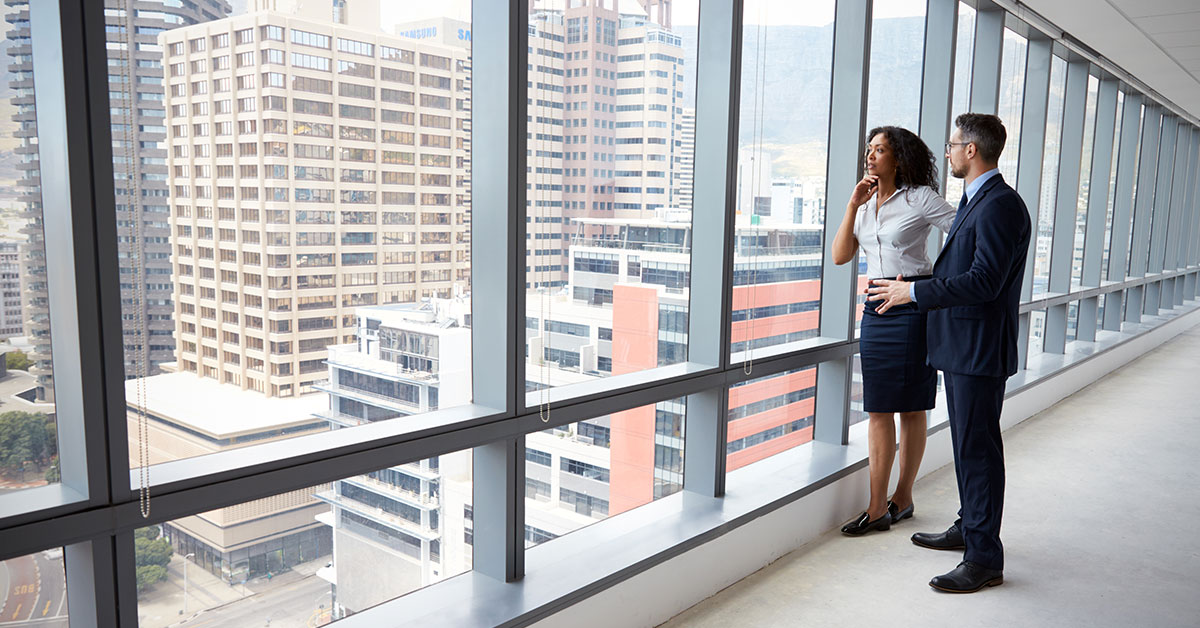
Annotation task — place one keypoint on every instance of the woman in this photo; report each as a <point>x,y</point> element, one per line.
<point>890,214</point>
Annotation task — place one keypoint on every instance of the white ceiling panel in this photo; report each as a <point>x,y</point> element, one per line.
<point>1172,23</point>
<point>1157,41</point>
<point>1143,8</point>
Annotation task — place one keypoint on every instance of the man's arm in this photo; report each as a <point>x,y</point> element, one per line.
<point>997,236</point>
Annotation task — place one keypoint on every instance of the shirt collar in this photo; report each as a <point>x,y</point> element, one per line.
<point>979,181</point>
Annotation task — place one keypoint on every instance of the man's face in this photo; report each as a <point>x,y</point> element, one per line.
<point>957,155</point>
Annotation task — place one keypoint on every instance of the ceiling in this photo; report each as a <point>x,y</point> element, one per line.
<point>1157,41</point>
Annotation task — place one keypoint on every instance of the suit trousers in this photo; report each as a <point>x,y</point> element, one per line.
<point>974,403</point>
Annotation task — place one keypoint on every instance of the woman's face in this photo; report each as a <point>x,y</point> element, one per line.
<point>880,160</point>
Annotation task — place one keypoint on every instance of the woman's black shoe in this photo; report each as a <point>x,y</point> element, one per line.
<point>898,514</point>
<point>863,524</point>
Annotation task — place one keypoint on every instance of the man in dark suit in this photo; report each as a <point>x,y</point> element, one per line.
<point>972,334</point>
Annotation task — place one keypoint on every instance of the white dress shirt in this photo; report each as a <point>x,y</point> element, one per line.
<point>893,238</point>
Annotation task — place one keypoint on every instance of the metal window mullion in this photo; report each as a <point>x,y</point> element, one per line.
<point>937,86</point>
<point>1118,249</point>
<point>710,319</point>
<point>79,223</point>
<point>847,125</point>
<point>499,67</point>
<point>1097,205</point>
<point>1066,206</point>
<point>1143,208</point>
<point>1029,167</point>
<point>985,66</point>
<point>1191,247</point>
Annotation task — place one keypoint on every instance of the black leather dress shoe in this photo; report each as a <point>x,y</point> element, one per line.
<point>863,524</point>
<point>967,577</point>
<point>951,539</point>
<point>898,514</point>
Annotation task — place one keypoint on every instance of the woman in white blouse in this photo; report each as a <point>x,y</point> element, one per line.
<point>889,216</point>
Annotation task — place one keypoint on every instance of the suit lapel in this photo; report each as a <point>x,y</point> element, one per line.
<point>966,211</point>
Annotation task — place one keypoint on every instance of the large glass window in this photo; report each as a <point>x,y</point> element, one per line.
<point>35,590</point>
<point>960,102</point>
<point>897,47</point>
<point>584,472</point>
<point>1012,94</point>
<point>787,59</point>
<point>769,415</point>
<point>28,418</point>
<point>1044,228</point>
<point>313,555</point>
<point>608,195</point>
<point>1112,185</point>
<point>1085,176</point>
<point>229,342</point>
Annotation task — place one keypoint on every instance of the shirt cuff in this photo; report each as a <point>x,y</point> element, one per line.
<point>912,292</point>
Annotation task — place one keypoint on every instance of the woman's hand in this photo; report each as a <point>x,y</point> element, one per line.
<point>863,190</point>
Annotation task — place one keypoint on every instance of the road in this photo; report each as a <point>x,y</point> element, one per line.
<point>294,604</point>
<point>34,592</point>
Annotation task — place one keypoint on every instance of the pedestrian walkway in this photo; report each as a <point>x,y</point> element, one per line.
<point>1100,497</point>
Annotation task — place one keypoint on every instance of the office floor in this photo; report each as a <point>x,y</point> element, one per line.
<point>1101,526</point>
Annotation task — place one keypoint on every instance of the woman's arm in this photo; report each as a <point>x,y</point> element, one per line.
<point>845,245</point>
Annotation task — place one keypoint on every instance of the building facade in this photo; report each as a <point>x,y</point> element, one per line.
<point>315,168</point>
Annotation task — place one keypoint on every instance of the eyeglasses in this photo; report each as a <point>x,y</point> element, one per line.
<point>949,144</point>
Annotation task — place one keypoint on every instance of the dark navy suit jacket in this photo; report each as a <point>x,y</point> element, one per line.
<point>976,286</point>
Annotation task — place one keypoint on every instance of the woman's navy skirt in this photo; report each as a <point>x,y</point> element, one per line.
<point>896,377</point>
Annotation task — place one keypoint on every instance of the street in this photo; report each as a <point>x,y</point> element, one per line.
<point>294,604</point>
<point>34,591</point>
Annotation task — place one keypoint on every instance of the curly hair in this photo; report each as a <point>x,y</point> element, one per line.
<point>915,164</point>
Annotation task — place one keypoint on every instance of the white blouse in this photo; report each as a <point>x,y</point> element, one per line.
<point>893,239</point>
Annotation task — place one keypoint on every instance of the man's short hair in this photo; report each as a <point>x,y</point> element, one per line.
<point>985,131</point>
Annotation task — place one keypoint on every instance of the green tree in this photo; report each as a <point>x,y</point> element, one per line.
<point>26,437</point>
<point>17,360</point>
<point>151,554</point>
<point>150,574</point>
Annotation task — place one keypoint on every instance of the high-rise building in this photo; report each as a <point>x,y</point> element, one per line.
<point>10,290</point>
<point>315,168</point>
<point>135,94</point>
<point>685,161</point>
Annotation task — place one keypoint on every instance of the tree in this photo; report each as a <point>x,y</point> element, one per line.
<point>151,554</point>
<point>26,437</point>
<point>150,574</point>
<point>17,360</point>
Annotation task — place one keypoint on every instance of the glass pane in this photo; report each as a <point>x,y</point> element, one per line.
<point>1012,94</point>
<point>1112,186</point>
<point>897,55</point>
<point>964,54</point>
<point>294,217</point>
<point>28,422</point>
<point>770,415</point>
<point>1037,332</point>
<point>34,590</point>
<point>1085,180</point>
<point>787,64</point>
<point>609,212</point>
<point>313,555</point>
<point>1045,222</point>
<point>1128,262</point>
<point>584,472</point>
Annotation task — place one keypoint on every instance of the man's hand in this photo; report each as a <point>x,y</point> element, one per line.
<point>891,292</point>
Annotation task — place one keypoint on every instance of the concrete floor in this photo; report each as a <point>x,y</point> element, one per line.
<point>1101,526</point>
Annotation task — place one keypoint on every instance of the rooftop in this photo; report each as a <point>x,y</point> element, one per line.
<point>219,410</point>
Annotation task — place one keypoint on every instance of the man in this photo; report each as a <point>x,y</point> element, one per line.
<point>972,334</point>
